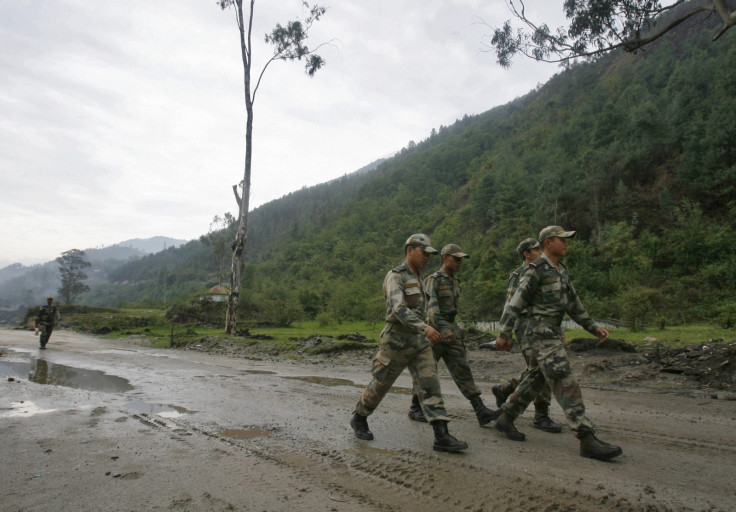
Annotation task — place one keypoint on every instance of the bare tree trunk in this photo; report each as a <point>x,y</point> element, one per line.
<point>242,232</point>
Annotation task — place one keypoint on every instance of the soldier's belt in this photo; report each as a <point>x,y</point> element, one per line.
<point>554,320</point>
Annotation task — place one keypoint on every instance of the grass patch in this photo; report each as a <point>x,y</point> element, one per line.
<point>671,337</point>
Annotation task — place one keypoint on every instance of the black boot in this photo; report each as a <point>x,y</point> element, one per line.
<point>594,448</point>
<point>503,391</point>
<point>542,421</point>
<point>443,441</point>
<point>360,426</point>
<point>415,411</point>
<point>483,413</point>
<point>505,425</point>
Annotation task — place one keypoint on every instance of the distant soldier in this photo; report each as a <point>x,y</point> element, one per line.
<point>443,291</point>
<point>48,317</point>
<point>529,250</point>
<point>405,342</point>
<point>546,292</point>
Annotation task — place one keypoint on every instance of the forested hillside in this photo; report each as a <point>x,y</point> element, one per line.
<point>635,152</point>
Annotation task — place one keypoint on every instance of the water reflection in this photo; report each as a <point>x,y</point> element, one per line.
<point>41,371</point>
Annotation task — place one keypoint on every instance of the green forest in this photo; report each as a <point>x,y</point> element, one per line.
<point>635,152</point>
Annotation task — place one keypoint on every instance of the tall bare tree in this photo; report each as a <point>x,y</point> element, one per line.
<point>289,43</point>
<point>599,26</point>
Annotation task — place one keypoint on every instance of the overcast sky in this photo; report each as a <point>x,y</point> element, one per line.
<point>126,119</point>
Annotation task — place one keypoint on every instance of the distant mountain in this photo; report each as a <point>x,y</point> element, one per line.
<point>26,285</point>
<point>152,245</point>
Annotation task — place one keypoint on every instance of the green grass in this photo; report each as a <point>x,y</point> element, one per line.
<point>670,337</point>
<point>153,325</point>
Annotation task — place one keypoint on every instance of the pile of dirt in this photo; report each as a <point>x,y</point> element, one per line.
<point>585,344</point>
<point>713,364</point>
<point>318,344</point>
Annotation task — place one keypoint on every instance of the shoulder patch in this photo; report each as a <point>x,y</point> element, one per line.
<point>411,284</point>
<point>538,262</point>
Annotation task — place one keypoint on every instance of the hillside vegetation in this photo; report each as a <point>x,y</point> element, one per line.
<point>634,152</point>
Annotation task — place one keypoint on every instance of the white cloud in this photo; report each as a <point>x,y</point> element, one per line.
<point>126,119</point>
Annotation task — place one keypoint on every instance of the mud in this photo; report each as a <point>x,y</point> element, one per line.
<point>208,431</point>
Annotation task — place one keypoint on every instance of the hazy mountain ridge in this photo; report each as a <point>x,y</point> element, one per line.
<point>26,285</point>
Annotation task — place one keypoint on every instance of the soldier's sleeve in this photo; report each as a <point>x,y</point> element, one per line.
<point>517,303</point>
<point>397,304</point>
<point>577,311</point>
<point>434,318</point>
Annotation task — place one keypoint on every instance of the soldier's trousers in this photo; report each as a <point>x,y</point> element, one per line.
<point>543,400</point>
<point>44,334</point>
<point>548,364</point>
<point>456,359</point>
<point>398,351</point>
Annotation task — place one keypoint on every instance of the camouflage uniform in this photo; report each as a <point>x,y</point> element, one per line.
<point>443,292</point>
<point>543,400</point>
<point>547,294</point>
<point>48,316</point>
<point>403,345</point>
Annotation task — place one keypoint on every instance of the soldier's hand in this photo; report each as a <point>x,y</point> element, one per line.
<point>602,334</point>
<point>449,336</point>
<point>433,335</point>
<point>502,344</point>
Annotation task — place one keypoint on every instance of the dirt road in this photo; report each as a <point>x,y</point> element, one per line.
<point>92,425</point>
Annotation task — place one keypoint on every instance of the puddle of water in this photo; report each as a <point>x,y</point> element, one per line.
<point>24,409</point>
<point>42,371</point>
<point>165,411</point>
<point>247,433</point>
<point>259,372</point>
<point>325,381</point>
<point>331,381</point>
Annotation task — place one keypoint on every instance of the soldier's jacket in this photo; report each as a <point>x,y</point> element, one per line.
<point>511,285</point>
<point>443,293</point>
<point>405,300</point>
<point>48,315</point>
<point>547,294</point>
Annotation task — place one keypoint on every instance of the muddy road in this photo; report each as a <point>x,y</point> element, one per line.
<point>93,424</point>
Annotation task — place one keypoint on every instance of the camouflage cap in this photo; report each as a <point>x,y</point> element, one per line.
<point>527,245</point>
<point>554,231</point>
<point>49,298</point>
<point>453,250</point>
<point>421,240</point>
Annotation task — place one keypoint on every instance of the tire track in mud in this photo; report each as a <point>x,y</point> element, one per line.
<point>364,477</point>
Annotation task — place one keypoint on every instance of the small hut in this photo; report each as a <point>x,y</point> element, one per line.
<point>217,293</point>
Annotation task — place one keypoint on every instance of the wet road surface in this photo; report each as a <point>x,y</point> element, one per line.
<point>93,424</point>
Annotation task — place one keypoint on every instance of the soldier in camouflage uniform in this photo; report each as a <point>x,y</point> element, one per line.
<point>406,342</point>
<point>48,317</point>
<point>443,291</point>
<point>546,292</point>
<point>529,250</point>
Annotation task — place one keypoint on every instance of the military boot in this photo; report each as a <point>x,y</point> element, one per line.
<point>542,421</point>
<point>503,391</point>
<point>505,425</point>
<point>360,427</point>
<point>415,411</point>
<point>483,413</point>
<point>594,448</point>
<point>443,441</point>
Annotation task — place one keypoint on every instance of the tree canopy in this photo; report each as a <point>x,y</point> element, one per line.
<point>596,27</point>
<point>71,270</point>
